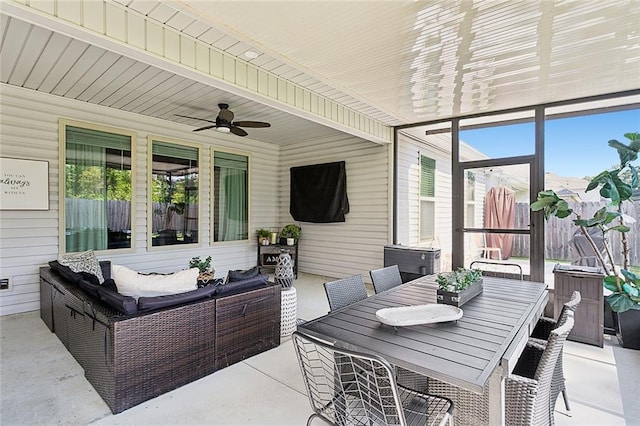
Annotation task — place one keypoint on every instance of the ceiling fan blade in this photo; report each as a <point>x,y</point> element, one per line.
<point>254,124</point>
<point>195,118</point>
<point>238,131</point>
<point>205,128</point>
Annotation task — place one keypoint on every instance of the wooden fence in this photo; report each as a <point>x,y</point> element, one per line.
<point>119,213</point>
<point>559,232</point>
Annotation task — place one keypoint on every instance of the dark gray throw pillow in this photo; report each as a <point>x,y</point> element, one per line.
<point>242,286</point>
<point>89,288</point>
<point>124,304</point>
<point>157,302</point>
<point>110,284</point>
<point>239,274</point>
<point>73,277</point>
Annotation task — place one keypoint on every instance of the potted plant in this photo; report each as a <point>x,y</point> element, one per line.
<point>263,236</point>
<point>291,233</point>
<point>458,287</point>
<point>204,266</point>
<point>616,186</point>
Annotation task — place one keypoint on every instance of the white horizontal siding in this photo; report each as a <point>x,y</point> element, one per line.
<point>437,147</point>
<point>355,246</point>
<point>29,239</point>
<point>409,150</point>
<point>125,30</point>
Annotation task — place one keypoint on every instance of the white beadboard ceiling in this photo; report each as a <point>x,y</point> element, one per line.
<point>397,62</point>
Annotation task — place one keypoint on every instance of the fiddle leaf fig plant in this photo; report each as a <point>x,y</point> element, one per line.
<point>617,186</point>
<point>624,300</point>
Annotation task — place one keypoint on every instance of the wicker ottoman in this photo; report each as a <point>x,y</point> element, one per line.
<point>289,300</point>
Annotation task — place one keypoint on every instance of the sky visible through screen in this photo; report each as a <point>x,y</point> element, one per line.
<point>574,147</point>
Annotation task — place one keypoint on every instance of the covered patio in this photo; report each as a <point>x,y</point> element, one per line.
<point>400,92</point>
<point>48,386</point>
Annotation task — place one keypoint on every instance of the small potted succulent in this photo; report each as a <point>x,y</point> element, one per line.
<point>204,266</point>
<point>290,233</point>
<point>263,236</point>
<point>459,286</point>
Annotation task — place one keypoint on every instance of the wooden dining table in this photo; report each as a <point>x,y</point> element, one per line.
<point>466,357</point>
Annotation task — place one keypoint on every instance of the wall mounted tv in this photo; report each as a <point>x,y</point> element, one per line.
<point>319,193</point>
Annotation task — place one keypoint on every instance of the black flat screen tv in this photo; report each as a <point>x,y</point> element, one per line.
<point>319,193</point>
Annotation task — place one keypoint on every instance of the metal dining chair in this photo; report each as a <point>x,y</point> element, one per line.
<point>540,335</point>
<point>498,269</point>
<point>347,387</point>
<point>345,291</point>
<point>529,389</point>
<point>385,278</point>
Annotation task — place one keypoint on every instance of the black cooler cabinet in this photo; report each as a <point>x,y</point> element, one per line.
<point>413,262</point>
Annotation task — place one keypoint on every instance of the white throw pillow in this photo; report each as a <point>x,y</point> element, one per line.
<point>131,283</point>
<point>85,261</point>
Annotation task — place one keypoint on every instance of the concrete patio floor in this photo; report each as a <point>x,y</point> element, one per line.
<point>41,383</point>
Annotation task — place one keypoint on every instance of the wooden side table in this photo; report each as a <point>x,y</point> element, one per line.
<point>589,317</point>
<point>268,256</point>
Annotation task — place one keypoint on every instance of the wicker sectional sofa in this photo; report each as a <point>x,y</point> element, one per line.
<point>132,358</point>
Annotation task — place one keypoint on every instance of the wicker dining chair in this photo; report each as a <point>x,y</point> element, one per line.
<point>345,291</point>
<point>528,390</point>
<point>347,387</point>
<point>498,269</point>
<point>385,278</point>
<point>540,336</point>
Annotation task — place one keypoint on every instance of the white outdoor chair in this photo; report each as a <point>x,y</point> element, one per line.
<point>486,251</point>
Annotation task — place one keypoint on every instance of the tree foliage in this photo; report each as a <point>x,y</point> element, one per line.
<point>616,185</point>
<point>96,183</point>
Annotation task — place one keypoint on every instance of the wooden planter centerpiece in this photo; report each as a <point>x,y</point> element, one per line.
<point>458,287</point>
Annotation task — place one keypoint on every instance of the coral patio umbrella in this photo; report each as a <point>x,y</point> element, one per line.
<point>499,213</point>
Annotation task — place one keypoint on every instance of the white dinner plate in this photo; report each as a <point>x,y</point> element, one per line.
<point>418,314</point>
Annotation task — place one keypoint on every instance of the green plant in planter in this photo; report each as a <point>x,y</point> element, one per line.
<point>459,279</point>
<point>202,265</point>
<point>263,233</point>
<point>290,231</point>
<point>617,186</point>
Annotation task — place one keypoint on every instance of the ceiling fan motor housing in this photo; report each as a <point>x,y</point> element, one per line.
<point>224,122</point>
<point>225,117</point>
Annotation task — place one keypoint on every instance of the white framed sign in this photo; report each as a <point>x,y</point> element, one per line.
<point>24,184</point>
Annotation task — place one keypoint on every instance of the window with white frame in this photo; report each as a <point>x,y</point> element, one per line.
<point>174,193</point>
<point>96,198</point>
<point>427,198</point>
<point>230,196</point>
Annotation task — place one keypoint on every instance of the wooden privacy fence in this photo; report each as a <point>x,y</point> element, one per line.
<point>89,214</point>
<point>118,215</point>
<point>166,217</point>
<point>559,232</point>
